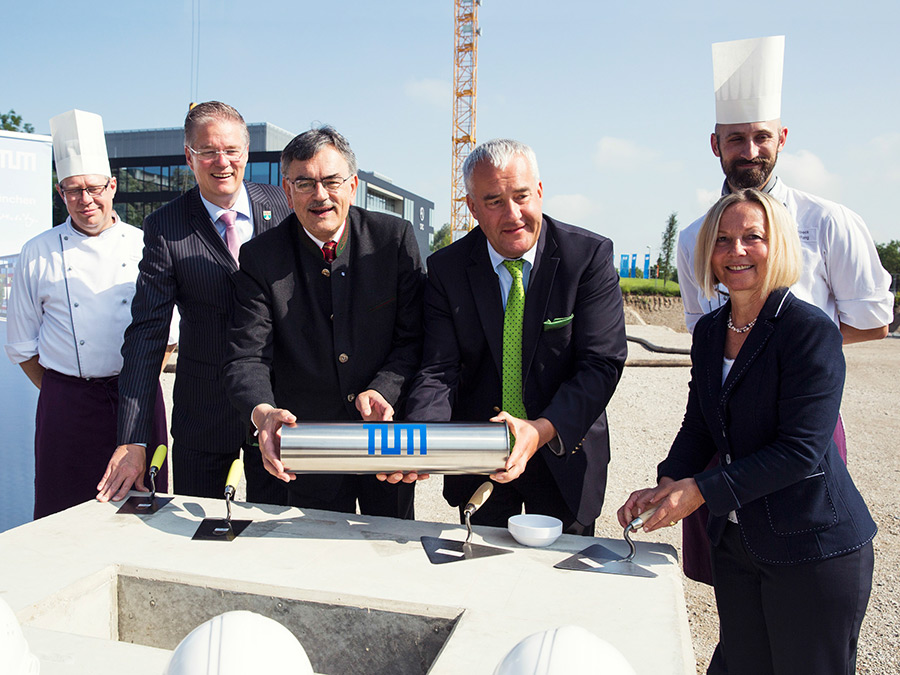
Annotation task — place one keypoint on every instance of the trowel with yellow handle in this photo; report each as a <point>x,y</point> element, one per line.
<point>441,551</point>
<point>148,502</point>
<point>218,529</point>
<point>598,558</point>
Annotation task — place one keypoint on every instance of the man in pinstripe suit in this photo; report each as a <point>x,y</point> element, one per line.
<point>190,257</point>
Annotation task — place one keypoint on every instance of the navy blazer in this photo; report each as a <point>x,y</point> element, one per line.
<point>187,263</point>
<point>573,350</point>
<point>771,423</point>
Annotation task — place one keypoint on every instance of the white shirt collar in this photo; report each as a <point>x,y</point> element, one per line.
<point>73,231</point>
<point>242,206</point>
<point>336,237</point>
<point>497,259</point>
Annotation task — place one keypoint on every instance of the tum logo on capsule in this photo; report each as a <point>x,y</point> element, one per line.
<point>396,448</point>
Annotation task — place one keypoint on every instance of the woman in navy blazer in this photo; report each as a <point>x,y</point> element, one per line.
<point>792,554</point>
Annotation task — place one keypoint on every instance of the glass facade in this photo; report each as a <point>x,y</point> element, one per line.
<point>147,183</point>
<point>144,185</point>
<point>384,204</point>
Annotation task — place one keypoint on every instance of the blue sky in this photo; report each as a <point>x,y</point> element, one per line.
<point>615,98</point>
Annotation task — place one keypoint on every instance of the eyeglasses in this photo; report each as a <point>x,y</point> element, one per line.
<point>210,155</point>
<point>306,186</point>
<point>93,190</point>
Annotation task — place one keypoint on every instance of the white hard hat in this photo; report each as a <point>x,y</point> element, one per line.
<point>238,643</point>
<point>563,651</point>
<point>15,657</point>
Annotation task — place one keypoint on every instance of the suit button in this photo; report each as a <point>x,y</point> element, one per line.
<point>343,358</point>
<point>496,408</point>
<point>331,317</point>
<point>326,273</point>
<point>350,397</point>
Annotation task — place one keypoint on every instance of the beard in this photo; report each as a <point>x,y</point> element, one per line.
<point>755,173</point>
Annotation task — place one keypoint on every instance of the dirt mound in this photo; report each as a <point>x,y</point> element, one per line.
<point>655,310</point>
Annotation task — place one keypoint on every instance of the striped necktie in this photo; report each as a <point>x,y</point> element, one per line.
<point>329,251</point>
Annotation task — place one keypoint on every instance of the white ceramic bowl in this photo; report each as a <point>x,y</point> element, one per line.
<point>530,529</point>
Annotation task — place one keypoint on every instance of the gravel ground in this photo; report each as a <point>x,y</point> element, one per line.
<point>645,415</point>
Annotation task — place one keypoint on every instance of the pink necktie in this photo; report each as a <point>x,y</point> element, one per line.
<point>231,234</point>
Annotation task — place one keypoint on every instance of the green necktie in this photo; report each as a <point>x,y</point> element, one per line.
<point>512,342</point>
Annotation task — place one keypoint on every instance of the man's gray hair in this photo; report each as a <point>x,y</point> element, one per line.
<point>307,145</point>
<point>211,111</point>
<point>498,153</point>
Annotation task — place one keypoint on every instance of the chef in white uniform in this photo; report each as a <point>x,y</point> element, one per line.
<point>68,310</point>
<point>842,274</point>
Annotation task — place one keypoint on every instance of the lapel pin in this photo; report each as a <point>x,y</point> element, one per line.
<point>267,215</point>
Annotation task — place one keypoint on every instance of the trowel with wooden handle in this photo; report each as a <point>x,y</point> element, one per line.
<point>441,551</point>
<point>598,558</point>
<point>217,529</point>
<point>148,502</point>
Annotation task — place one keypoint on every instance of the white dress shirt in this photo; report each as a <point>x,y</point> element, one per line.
<point>321,244</point>
<point>244,221</point>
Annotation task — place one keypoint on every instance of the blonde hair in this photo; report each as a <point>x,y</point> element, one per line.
<point>784,260</point>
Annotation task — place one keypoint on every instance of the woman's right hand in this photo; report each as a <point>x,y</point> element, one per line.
<point>638,502</point>
<point>675,500</point>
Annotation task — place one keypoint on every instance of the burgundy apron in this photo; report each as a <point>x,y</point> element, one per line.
<point>75,436</point>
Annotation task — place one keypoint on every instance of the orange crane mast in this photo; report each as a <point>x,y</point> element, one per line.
<point>465,80</point>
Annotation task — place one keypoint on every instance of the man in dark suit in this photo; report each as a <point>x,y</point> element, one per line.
<point>190,258</point>
<point>328,321</point>
<point>547,368</point>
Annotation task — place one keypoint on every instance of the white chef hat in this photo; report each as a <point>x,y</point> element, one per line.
<point>747,79</point>
<point>79,146</point>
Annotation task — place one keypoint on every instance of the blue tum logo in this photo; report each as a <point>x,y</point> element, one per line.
<point>397,447</point>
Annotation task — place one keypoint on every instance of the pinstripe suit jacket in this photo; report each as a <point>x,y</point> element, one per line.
<point>187,263</point>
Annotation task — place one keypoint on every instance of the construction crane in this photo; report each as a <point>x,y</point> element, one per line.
<point>465,79</point>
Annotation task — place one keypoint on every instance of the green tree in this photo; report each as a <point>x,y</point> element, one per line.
<point>890,256</point>
<point>667,248</point>
<point>443,237</point>
<point>12,122</point>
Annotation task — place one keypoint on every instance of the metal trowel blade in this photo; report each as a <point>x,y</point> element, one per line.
<point>441,551</point>
<point>143,504</point>
<point>219,529</point>
<point>598,558</point>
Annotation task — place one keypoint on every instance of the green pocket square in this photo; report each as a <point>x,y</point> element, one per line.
<point>553,324</point>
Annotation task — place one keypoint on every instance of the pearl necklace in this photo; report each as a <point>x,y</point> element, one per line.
<point>731,326</point>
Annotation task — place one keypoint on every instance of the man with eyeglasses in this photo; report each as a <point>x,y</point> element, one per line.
<point>69,307</point>
<point>190,259</point>
<point>327,322</point>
